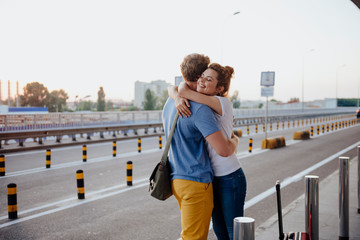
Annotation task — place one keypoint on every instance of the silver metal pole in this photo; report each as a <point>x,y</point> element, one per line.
<point>343,198</point>
<point>312,206</point>
<point>244,228</point>
<point>358,179</point>
<point>266,117</point>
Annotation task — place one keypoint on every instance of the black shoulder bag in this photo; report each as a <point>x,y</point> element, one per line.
<point>160,179</point>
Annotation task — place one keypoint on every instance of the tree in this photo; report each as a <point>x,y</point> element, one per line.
<point>163,99</point>
<point>150,100</point>
<point>235,99</point>
<point>35,95</point>
<point>56,100</point>
<point>294,100</point>
<point>100,106</point>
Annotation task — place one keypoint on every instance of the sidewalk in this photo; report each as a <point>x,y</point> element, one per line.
<point>294,213</point>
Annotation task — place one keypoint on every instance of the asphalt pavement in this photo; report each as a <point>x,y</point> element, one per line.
<point>294,213</point>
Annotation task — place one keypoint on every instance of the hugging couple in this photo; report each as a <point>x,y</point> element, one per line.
<point>207,178</point>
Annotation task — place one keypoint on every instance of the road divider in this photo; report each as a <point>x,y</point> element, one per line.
<point>129,167</point>
<point>12,201</point>
<point>80,184</point>
<point>2,165</point>
<point>48,158</point>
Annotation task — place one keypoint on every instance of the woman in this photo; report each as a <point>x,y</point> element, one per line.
<point>229,183</point>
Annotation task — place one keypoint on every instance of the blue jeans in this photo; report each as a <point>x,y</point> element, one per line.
<point>229,200</point>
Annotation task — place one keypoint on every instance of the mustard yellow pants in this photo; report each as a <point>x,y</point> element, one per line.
<point>196,204</point>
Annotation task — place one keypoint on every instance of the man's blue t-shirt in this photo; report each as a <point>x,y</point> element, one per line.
<point>188,155</point>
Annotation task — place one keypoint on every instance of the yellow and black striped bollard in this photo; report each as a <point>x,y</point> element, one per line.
<point>294,123</point>
<point>80,184</point>
<point>318,130</point>
<point>277,126</point>
<point>335,125</point>
<point>283,124</point>
<point>247,130</point>
<point>2,165</point>
<point>139,144</point>
<point>312,130</point>
<point>270,126</point>
<point>114,148</point>
<point>263,127</point>
<point>327,127</point>
<point>250,145</point>
<point>129,167</point>
<point>48,158</point>
<point>332,126</point>
<point>84,150</point>
<point>256,128</point>
<point>12,201</point>
<point>288,124</point>
<point>160,142</point>
<point>323,128</point>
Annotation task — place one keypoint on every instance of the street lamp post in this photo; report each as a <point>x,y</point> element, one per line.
<point>222,43</point>
<point>336,85</point>
<point>302,85</point>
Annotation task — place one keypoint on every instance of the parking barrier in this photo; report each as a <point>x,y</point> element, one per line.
<point>301,135</point>
<point>344,197</point>
<point>129,167</point>
<point>80,184</point>
<point>244,228</point>
<point>327,127</point>
<point>332,126</point>
<point>250,145</point>
<point>318,130</point>
<point>139,144</point>
<point>48,158</point>
<point>323,128</point>
<point>256,128</point>
<point>114,149</point>
<point>312,131</point>
<point>2,165</point>
<point>312,206</point>
<point>160,142</point>
<point>247,130</point>
<point>271,143</point>
<point>12,201</point>
<point>238,133</point>
<point>336,125</point>
<point>84,150</point>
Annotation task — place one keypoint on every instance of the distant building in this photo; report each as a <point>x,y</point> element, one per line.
<point>157,87</point>
<point>178,80</point>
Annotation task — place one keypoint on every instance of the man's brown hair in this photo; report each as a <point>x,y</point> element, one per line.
<point>193,66</point>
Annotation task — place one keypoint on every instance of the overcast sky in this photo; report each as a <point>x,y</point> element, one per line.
<point>80,45</point>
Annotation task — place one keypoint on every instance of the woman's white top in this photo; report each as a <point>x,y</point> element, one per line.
<point>224,165</point>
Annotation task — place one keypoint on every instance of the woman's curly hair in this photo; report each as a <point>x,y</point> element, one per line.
<point>224,77</point>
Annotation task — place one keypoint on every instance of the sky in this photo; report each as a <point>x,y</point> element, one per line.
<point>80,45</point>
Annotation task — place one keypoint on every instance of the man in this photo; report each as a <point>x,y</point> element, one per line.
<point>192,174</point>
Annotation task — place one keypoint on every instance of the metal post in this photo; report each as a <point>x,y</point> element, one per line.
<point>343,198</point>
<point>312,206</point>
<point>358,179</point>
<point>244,228</point>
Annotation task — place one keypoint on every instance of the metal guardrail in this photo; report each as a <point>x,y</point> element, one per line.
<point>24,122</point>
<point>21,127</point>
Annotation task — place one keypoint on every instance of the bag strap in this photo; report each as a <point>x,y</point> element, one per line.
<point>168,141</point>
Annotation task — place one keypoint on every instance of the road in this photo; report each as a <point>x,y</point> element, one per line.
<point>48,207</point>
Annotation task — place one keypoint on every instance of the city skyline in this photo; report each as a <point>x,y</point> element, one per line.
<point>79,46</point>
